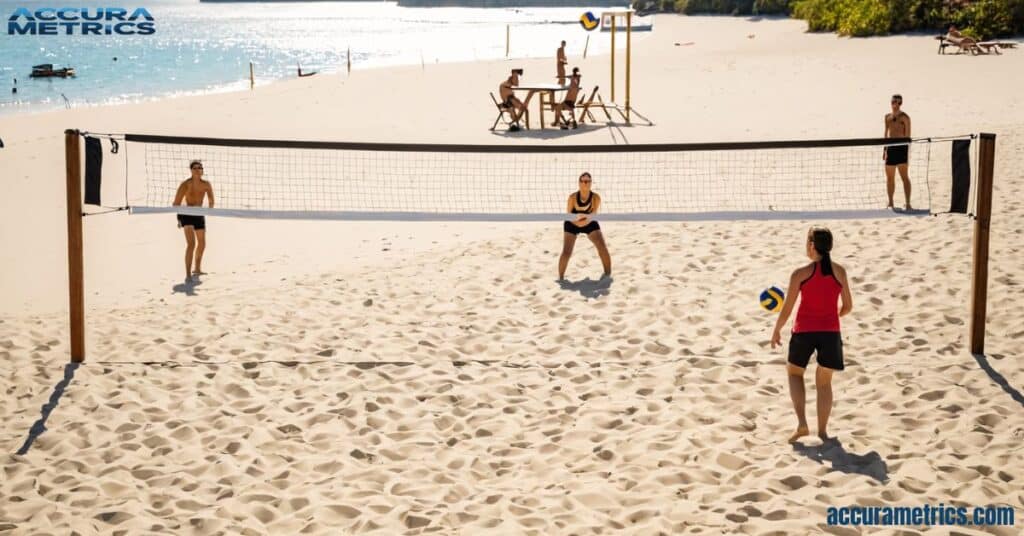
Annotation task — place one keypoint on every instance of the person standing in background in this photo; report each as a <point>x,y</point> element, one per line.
<point>561,63</point>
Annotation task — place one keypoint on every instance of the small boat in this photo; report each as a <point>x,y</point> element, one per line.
<point>46,70</point>
<point>640,24</point>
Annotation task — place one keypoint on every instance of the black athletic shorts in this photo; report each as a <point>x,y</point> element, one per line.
<point>197,222</point>
<point>569,227</point>
<point>896,155</point>
<point>828,344</point>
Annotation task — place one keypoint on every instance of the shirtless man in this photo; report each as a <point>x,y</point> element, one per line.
<point>561,63</point>
<point>954,32</point>
<point>192,191</point>
<point>569,102</point>
<point>509,99</point>
<point>897,125</point>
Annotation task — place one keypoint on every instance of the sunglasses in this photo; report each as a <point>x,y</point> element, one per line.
<point>197,167</point>
<point>897,102</point>
<point>585,180</point>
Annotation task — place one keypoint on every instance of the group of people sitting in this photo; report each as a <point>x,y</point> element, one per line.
<point>517,107</point>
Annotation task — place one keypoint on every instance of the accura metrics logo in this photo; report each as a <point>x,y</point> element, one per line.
<point>81,21</point>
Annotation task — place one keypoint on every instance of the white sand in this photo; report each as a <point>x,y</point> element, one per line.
<point>344,377</point>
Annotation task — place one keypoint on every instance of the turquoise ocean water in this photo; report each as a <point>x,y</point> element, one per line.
<point>205,47</point>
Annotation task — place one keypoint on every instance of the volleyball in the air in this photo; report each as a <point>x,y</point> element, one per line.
<point>771,299</point>
<point>589,21</point>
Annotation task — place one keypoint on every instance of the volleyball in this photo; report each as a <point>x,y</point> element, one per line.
<point>771,299</point>
<point>588,21</point>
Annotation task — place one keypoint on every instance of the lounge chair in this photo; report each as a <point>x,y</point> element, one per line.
<point>962,44</point>
<point>994,46</point>
<point>968,45</point>
<point>506,110</point>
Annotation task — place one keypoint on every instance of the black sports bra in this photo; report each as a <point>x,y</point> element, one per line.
<point>581,207</point>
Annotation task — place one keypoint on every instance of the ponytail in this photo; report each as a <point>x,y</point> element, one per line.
<point>822,239</point>
<point>826,264</point>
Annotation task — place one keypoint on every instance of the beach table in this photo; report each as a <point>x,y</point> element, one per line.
<point>545,90</point>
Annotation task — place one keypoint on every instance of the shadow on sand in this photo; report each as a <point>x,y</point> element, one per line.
<point>58,391</point>
<point>187,287</point>
<point>832,451</point>
<point>998,378</point>
<point>548,132</point>
<point>589,288</point>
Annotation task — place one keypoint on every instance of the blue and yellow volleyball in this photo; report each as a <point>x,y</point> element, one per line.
<point>589,21</point>
<point>771,299</point>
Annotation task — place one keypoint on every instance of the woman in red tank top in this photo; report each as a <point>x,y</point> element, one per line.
<point>816,329</point>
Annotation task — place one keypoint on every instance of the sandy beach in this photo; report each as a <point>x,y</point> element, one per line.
<point>414,378</point>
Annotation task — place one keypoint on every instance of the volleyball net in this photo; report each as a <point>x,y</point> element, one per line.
<point>652,182</point>
<point>819,179</point>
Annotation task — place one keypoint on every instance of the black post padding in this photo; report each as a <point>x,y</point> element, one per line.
<point>961,159</point>
<point>93,170</point>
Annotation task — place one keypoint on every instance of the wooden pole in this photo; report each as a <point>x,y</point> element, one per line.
<point>983,216</point>
<point>348,59</point>
<point>613,57</point>
<point>252,76</point>
<point>585,46</point>
<point>76,285</point>
<point>629,55</point>
<point>508,39</point>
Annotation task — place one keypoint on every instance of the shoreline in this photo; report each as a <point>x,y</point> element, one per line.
<point>242,85</point>
<point>378,58</point>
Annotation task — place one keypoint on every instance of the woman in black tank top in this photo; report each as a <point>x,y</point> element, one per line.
<point>584,202</point>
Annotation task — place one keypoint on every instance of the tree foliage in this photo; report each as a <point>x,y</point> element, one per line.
<point>981,19</point>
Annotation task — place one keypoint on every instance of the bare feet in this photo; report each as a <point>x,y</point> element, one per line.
<point>198,272</point>
<point>823,436</point>
<point>800,432</point>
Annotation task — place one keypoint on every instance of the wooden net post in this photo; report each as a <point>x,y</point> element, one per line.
<point>983,217</point>
<point>613,56</point>
<point>629,54</point>
<point>76,285</point>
